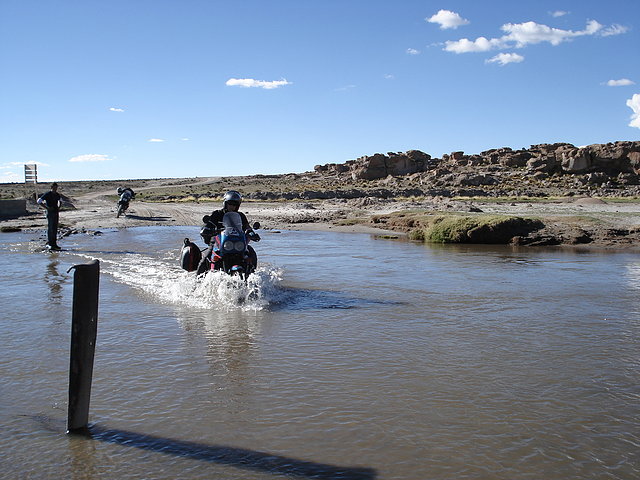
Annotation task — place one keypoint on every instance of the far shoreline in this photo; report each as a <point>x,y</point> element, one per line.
<point>617,224</point>
<point>337,203</point>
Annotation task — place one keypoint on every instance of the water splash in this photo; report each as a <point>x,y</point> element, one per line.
<point>170,284</point>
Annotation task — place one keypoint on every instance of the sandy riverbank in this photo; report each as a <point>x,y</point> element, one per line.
<point>610,224</point>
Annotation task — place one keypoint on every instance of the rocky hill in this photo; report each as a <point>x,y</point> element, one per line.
<point>548,170</point>
<point>558,169</point>
<point>460,195</point>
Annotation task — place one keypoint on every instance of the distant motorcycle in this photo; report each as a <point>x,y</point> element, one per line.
<point>231,252</point>
<point>126,195</point>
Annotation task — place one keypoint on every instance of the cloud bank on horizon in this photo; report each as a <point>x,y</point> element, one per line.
<point>91,157</point>
<point>11,172</point>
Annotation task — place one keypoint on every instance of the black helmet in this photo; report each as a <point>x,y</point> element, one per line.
<point>120,190</point>
<point>232,197</point>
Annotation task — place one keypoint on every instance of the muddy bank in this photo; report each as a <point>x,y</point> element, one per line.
<point>584,221</point>
<point>586,196</point>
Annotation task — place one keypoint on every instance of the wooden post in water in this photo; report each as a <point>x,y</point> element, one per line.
<point>84,327</point>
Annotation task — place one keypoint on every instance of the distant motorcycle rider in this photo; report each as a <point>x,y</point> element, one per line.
<point>230,203</point>
<point>126,194</point>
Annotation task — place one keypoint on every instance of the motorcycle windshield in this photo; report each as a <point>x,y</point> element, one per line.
<point>232,223</point>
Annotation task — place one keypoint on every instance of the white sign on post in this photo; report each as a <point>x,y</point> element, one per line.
<point>31,173</point>
<point>31,176</point>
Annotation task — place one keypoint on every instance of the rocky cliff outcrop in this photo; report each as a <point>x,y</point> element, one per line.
<point>381,166</point>
<point>619,161</point>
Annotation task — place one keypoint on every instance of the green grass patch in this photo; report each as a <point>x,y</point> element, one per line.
<point>489,229</point>
<point>456,228</point>
<point>386,237</point>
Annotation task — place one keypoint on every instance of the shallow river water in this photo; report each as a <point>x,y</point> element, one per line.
<point>345,357</point>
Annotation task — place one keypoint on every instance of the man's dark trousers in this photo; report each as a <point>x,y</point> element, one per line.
<point>52,229</point>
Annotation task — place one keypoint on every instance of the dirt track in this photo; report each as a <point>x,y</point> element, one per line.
<point>95,210</point>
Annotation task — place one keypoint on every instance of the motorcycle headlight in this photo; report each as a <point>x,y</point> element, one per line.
<point>239,246</point>
<point>228,245</point>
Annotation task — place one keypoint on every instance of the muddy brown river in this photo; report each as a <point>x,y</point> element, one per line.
<point>344,357</point>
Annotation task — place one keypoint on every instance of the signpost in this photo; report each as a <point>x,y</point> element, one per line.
<point>31,176</point>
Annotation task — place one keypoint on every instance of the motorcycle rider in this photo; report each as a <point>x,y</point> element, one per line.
<point>126,193</point>
<point>230,203</point>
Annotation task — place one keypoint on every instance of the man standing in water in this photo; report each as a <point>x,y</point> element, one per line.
<point>51,201</point>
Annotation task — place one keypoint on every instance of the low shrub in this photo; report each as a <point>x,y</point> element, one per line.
<point>486,229</point>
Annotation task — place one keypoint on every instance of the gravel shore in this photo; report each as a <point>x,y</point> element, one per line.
<point>611,223</point>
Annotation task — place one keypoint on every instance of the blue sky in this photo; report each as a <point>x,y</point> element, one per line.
<point>116,89</point>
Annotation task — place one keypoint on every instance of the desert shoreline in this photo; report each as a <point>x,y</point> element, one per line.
<point>546,195</point>
<point>614,224</point>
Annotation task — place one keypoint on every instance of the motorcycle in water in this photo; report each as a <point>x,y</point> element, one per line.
<point>126,195</point>
<point>230,249</point>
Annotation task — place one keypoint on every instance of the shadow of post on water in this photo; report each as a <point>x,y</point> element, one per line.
<point>232,456</point>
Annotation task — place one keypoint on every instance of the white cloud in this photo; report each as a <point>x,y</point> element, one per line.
<point>389,76</point>
<point>185,139</point>
<point>13,164</point>
<point>413,51</point>
<point>114,109</point>
<point>250,82</point>
<point>634,104</point>
<point>504,58</point>
<point>623,82</point>
<point>531,33</point>
<point>519,35</point>
<point>480,44</point>
<point>345,88</point>
<point>447,19</point>
<point>90,157</point>
<point>156,140</point>
<point>614,30</point>
<point>10,177</point>
<point>558,13</point>
<point>9,165</point>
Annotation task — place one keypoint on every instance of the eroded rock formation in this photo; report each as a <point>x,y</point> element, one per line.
<point>603,160</point>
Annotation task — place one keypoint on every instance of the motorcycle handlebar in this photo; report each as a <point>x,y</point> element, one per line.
<point>217,229</point>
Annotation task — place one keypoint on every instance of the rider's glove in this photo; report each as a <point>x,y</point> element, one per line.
<point>253,236</point>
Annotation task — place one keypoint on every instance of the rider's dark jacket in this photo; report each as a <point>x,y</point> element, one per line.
<point>216,218</point>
